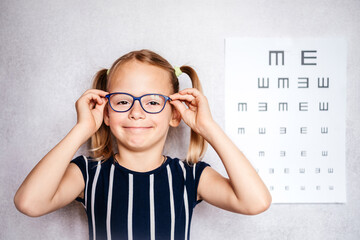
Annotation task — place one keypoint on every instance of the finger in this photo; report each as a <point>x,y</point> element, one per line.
<point>198,96</point>
<point>178,96</point>
<point>99,91</point>
<point>192,106</point>
<point>101,106</point>
<point>96,91</point>
<point>93,98</point>
<point>193,91</point>
<point>179,106</point>
<point>91,105</point>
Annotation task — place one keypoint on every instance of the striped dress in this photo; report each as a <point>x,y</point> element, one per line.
<point>123,204</point>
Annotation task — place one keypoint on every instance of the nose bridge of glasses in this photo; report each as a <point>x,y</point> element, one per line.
<point>137,107</point>
<point>134,101</point>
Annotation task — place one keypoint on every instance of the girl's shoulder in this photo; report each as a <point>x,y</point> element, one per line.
<point>193,170</point>
<point>88,162</point>
<point>188,165</point>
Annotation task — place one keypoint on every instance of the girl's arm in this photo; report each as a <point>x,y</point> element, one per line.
<point>53,182</point>
<point>244,192</point>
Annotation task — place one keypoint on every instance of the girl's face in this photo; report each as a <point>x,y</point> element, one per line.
<point>135,129</point>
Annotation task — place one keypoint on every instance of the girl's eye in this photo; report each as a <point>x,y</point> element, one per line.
<point>153,103</point>
<point>123,102</point>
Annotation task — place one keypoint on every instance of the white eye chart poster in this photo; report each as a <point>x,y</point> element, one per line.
<point>285,108</point>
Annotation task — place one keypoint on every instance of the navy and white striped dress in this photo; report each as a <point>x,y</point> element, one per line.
<point>123,204</point>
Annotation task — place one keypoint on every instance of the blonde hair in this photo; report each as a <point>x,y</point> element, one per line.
<point>101,142</point>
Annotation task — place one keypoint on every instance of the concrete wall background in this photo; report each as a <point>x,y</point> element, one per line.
<point>49,52</point>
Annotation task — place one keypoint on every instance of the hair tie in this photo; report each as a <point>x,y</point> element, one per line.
<point>107,72</point>
<point>178,71</point>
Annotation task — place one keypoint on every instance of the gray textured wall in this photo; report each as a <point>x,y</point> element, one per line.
<point>49,51</point>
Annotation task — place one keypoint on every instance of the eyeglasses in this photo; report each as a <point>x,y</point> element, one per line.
<point>150,103</point>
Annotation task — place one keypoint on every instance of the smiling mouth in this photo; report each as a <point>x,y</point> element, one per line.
<point>137,130</point>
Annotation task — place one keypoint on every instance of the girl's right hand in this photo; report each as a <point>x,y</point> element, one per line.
<point>90,108</point>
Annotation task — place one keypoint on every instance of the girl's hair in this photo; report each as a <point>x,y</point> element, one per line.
<point>101,142</point>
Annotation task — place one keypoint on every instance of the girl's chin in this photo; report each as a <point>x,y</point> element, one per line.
<point>136,144</point>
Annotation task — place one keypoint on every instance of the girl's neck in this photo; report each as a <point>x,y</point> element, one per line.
<point>139,161</point>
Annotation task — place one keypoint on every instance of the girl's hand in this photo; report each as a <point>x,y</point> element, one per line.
<point>90,108</point>
<point>197,113</point>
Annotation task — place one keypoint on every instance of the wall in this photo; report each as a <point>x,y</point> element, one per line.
<point>50,50</point>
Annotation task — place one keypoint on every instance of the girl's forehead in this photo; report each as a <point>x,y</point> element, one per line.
<point>140,78</point>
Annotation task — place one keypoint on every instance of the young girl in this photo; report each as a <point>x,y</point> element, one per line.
<point>136,192</point>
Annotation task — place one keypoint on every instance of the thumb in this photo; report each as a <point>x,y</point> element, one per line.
<point>179,106</point>
<point>101,106</point>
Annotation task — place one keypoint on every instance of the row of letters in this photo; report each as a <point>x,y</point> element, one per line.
<point>284,82</point>
<point>308,57</point>
<point>303,188</point>
<point>303,153</point>
<point>300,170</point>
<point>283,130</point>
<point>283,106</point>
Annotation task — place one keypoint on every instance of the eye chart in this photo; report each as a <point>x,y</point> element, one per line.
<point>285,103</point>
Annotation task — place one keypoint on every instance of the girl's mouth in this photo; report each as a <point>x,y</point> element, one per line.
<point>137,129</point>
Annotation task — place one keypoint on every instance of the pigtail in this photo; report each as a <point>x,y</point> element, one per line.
<point>198,145</point>
<point>100,142</point>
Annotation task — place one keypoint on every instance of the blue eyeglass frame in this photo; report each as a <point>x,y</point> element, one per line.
<point>139,99</point>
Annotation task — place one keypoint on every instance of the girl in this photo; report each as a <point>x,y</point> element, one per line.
<point>135,192</point>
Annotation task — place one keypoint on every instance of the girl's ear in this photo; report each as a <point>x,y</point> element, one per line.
<point>106,115</point>
<point>175,118</point>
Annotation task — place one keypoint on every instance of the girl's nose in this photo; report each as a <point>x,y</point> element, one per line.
<point>136,112</point>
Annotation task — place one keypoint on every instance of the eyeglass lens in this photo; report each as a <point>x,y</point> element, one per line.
<point>151,103</point>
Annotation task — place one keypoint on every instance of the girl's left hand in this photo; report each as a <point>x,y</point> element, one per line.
<point>197,113</point>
